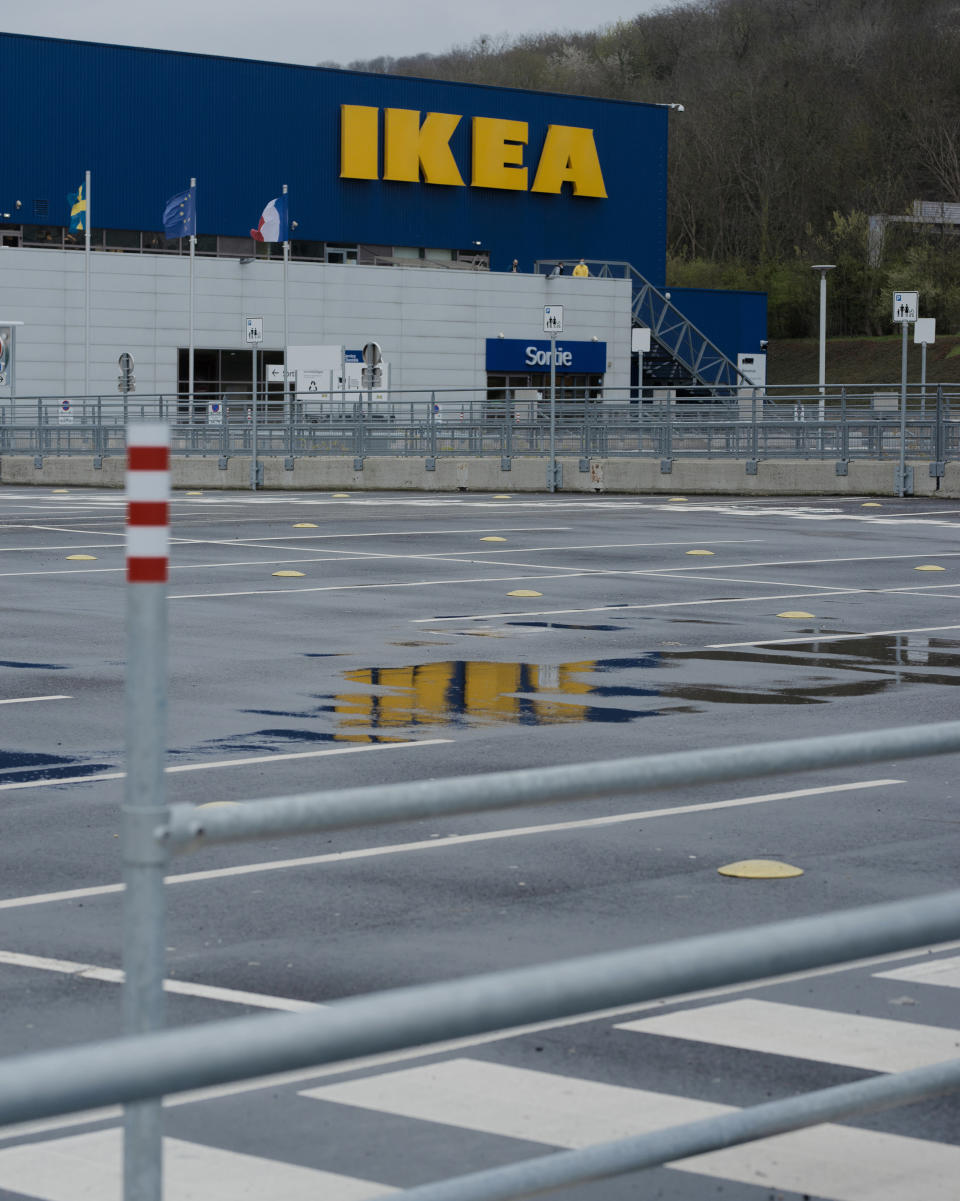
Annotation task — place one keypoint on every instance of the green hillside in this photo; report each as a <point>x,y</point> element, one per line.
<point>861,360</point>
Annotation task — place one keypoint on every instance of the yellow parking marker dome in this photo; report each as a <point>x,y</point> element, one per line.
<point>304,525</point>
<point>289,573</point>
<point>501,496</point>
<point>492,538</point>
<point>795,613</point>
<point>760,869</point>
<point>699,552</point>
<point>524,592</point>
<point>929,567</point>
<point>676,500</point>
<point>86,557</point>
<point>340,494</point>
<point>61,489</point>
<point>871,504</point>
<point>194,493</point>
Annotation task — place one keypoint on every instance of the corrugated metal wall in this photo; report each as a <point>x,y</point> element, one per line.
<point>432,325</point>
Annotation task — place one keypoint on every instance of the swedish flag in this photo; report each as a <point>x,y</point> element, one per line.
<point>78,210</point>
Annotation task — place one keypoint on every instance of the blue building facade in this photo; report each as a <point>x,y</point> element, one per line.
<point>380,169</point>
<point>145,121</point>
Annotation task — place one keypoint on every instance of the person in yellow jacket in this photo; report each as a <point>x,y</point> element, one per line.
<point>581,269</point>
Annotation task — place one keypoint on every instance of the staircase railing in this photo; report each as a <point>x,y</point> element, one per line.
<point>705,362</point>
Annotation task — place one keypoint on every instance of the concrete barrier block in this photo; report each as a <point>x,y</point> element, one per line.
<point>629,476</point>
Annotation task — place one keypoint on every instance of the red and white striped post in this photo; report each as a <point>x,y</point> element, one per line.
<point>148,503</point>
<point>145,806</point>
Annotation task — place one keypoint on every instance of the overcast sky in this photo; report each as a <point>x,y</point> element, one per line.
<point>311,31</point>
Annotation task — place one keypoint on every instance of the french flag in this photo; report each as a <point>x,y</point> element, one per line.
<point>274,224</point>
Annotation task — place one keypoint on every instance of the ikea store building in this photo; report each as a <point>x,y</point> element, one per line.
<point>427,217</point>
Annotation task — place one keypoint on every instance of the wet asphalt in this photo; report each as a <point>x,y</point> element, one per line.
<point>400,653</point>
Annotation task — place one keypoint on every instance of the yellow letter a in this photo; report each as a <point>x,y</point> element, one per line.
<point>569,156</point>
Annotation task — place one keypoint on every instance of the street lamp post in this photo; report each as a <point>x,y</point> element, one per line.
<point>823,268</point>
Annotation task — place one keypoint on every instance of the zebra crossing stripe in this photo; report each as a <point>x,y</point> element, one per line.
<point>801,1032</point>
<point>836,1162</point>
<point>90,1165</point>
<point>945,972</point>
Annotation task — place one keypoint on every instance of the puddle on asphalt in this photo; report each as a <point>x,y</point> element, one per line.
<point>419,642</point>
<point>277,741</point>
<point>562,625</point>
<point>33,666</point>
<point>17,767</point>
<point>625,689</point>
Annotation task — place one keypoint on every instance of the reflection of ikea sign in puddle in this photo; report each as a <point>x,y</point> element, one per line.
<point>415,150</point>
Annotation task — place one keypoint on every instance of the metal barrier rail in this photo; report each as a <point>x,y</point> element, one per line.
<point>188,827</point>
<point>430,1013</point>
<point>465,423</point>
<point>135,1068</point>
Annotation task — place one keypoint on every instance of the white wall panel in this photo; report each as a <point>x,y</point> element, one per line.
<point>431,324</point>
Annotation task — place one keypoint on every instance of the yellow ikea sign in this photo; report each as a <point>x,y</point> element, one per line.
<point>415,150</point>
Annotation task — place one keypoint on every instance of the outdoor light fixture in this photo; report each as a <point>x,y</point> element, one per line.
<point>823,268</point>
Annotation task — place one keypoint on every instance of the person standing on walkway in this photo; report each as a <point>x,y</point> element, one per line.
<point>581,269</point>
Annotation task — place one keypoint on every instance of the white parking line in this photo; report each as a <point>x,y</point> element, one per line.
<point>495,579</point>
<point>219,763</point>
<point>65,546</point>
<point>183,988</point>
<point>720,600</point>
<point>926,554</point>
<point>430,844</point>
<point>26,700</point>
<point>829,637</point>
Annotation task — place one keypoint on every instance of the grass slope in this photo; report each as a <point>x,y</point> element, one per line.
<point>861,360</point>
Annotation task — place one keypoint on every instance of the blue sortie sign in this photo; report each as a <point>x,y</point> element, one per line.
<point>533,355</point>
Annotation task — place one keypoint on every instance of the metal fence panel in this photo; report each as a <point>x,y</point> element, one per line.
<point>755,425</point>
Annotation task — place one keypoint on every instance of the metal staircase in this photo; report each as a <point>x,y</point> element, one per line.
<point>681,355</point>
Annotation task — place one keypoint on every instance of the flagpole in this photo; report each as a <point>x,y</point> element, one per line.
<point>286,260</point>
<point>193,248</point>
<point>86,287</point>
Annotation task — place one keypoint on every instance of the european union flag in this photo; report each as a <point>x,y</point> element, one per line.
<point>180,215</point>
<point>78,210</point>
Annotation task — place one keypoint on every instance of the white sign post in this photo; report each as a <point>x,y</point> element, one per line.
<point>924,333</point>
<point>553,325</point>
<point>904,311</point>
<point>254,338</point>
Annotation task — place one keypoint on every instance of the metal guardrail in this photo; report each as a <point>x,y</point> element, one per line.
<point>775,424</point>
<point>141,1067</point>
